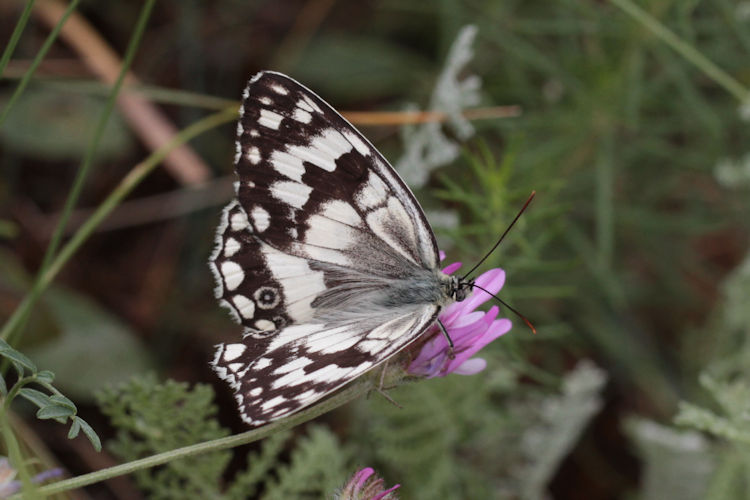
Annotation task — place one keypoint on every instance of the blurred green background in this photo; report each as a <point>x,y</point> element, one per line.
<point>632,260</point>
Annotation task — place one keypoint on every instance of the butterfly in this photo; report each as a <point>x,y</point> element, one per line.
<point>325,256</point>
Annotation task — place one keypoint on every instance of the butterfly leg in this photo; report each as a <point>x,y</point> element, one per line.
<point>381,382</point>
<point>448,338</point>
<point>382,376</point>
<point>381,389</point>
<point>390,399</point>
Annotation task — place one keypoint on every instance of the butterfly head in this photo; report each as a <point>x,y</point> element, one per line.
<point>460,288</point>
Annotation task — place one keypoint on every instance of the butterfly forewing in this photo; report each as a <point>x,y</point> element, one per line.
<point>322,230</point>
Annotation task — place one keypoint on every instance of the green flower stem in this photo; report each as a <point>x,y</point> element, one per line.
<point>13,392</point>
<point>15,36</point>
<point>13,449</point>
<point>134,177</point>
<point>357,389</point>
<point>711,70</point>
<point>39,57</point>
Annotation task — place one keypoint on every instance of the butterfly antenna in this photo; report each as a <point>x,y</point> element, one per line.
<point>524,318</point>
<point>531,197</point>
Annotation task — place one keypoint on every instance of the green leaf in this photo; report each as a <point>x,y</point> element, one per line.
<point>39,398</point>
<point>259,467</point>
<point>75,428</point>
<point>61,400</point>
<point>316,467</point>
<point>676,464</point>
<point>3,386</point>
<point>89,432</point>
<point>45,377</point>
<point>151,418</point>
<point>730,480</point>
<point>564,418</point>
<point>54,412</point>
<point>15,356</point>
<point>707,421</point>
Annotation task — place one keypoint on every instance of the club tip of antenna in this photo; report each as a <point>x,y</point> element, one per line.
<point>531,327</point>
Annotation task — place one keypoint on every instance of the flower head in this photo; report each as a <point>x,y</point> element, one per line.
<point>365,485</point>
<point>469,330</point>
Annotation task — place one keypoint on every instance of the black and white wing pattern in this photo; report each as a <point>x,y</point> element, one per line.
<point>325,257</point>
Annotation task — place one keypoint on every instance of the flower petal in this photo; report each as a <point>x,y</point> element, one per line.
<point>465,320</point>
<point>390,490</point>
<point>471,366</point>
<point>492,281</point>
<point>427,353</point>
<point>433,359</point>
<point>503,325</point>
<point>361,477</point>
<point>464,336</point>
<point>494,331</point>
<point>452,268</point>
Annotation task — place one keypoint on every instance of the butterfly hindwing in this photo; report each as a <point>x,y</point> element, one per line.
<point>278,375</point>
<point>318,256</point>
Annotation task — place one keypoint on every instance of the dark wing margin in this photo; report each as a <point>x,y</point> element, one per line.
<point>245,284</point>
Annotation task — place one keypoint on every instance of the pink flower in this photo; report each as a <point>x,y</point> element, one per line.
<point>365,485</point>
<point>470,331</point>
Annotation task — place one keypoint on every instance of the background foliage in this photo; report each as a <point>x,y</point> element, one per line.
<point>633,261</point>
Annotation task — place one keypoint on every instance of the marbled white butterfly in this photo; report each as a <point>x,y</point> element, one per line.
<point>325,256</point>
